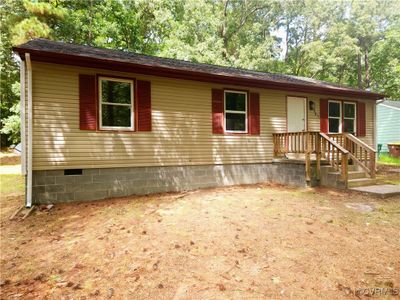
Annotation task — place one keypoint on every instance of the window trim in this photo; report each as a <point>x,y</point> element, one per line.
<point>355,115</point>
<point>131,105</point>
<point>340,117</point>
<point>245,112</point>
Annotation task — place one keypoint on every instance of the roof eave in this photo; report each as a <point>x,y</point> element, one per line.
<point>92,62</point>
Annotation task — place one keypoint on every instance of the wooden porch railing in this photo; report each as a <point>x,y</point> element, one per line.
<point>336,149</point>
<point>359,152</point>
<point>307,142</point>
<point>295,142</point>
<point>313,142</point>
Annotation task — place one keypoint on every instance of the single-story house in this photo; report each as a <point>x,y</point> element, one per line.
<point>99,123</point>
<point>388,120</point>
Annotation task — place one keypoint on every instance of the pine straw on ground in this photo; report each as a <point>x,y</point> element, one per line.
<point>247,242</point>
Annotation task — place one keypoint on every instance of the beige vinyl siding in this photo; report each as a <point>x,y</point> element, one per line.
<point>313,115</point>
<point>181,125</point>
<point>314,118</point>
<point>181,119</point>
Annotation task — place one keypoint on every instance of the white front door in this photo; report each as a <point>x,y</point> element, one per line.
<point>296,114</point>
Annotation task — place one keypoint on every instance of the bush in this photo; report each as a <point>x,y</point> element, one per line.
<point>11,125</point>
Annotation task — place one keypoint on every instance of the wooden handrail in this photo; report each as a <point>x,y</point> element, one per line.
<point>361,153</point>
<point>359,142</point>
<point>336,155</point>
<point>333,143</point>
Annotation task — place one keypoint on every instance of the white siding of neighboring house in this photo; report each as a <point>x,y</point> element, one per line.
<point>388,125</point>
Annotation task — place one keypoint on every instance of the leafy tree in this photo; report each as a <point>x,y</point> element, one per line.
<point>10,12</point>
<point>40,17</point>
<point>11,123</point>
<point>385,63</point>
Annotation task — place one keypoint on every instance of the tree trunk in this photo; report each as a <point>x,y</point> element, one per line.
<point>359,71</point>
<point>90,37</point>
<point>366,62</point>
<point>224,30</point>
<point>287,40</point>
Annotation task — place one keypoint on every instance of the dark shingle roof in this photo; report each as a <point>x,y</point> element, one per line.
<point>47,47</point>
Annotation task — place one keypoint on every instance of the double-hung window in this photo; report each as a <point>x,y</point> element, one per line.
<point>235,114</point>
<point>349,117</point>
<point>342,117</point>
<point>116,100</point>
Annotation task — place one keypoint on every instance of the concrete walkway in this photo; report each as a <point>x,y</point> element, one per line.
<point>383,191</point>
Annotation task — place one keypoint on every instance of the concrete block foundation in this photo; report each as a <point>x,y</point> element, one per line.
<point>53,186</point>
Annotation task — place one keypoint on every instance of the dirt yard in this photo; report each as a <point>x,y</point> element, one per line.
<point>250,242</point>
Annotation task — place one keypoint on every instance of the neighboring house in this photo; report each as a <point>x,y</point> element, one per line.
<point>388,123</point>
<point>103,123</point>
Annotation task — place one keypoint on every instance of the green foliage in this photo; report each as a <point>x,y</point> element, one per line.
<point>347,42</point>
<point>385,62</point>
<point>11,125</point>
<point>10,12</point>
<point>28,29</point>
<point>386,159</point>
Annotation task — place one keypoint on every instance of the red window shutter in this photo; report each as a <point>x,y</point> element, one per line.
<point>254,114</point>
<point>323,114</point>
<point>144,105</point>
<point>87,102</point>
<point>217,111</point>
<point>361,119</point>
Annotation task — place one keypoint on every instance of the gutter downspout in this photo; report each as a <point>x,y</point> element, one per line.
<point>28,202</point>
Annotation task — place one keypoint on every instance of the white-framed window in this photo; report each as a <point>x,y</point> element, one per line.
<point>235,111</point>
<point>335,116</point>
<point>116,109</point>
<point>349,117</point>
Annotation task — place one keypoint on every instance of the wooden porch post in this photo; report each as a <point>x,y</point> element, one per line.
<point>308,158</point>
<point>318,154</point>
<point>345,160</point>
<point>372,158</point>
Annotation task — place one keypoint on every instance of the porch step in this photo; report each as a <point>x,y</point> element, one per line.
<point>360,182</point>
<point>352,174</point>
<point>356,175</point>
<point>350,168</point>
<point>353,168</point>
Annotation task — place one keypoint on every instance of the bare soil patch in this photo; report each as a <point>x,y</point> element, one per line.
<point>249,242</point>
<point>387,174</point>
<point>8,157</point>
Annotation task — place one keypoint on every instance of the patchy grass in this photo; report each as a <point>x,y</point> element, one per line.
<point>11,185</point>
<point>389,160</point>
<point>386,174</point>
<point>249,242</point>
